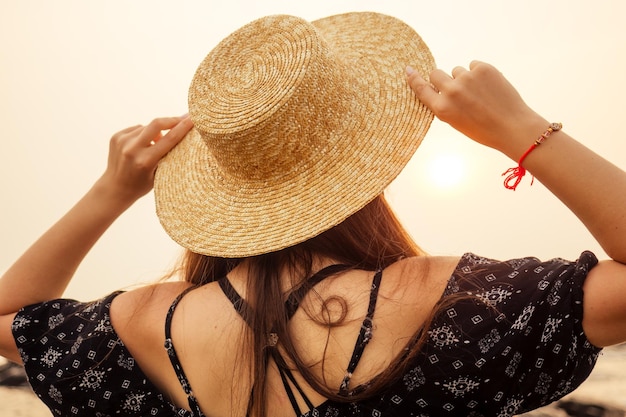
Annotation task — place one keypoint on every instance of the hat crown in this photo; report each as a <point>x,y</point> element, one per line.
<point>297,126</point>
<point>268,97</point>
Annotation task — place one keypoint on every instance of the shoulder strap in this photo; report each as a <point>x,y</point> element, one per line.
<point>237,300</point>
<point>291,305</point>
<point>171,353</point>
<point>288,380</point>
<point>294,298</point>
<point>293,302</point>
<point>365,335</point>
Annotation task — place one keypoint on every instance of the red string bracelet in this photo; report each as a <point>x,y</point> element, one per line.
<point>514,175</point>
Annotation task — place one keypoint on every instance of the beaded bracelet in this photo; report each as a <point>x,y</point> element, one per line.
<point>515,174</point>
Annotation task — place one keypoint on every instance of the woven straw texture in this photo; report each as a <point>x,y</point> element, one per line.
<point>298,125</point>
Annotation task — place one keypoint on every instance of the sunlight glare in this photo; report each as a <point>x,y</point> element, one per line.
<point>446,170</point>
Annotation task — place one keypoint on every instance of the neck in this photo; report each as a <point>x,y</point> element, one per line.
<point>290,276</point>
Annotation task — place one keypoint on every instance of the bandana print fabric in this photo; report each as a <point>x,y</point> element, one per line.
<point>78,366</point>
<point>513,342</point>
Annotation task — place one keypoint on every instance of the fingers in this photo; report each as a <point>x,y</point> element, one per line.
<point>165,132</point>
<point>153,131</point>
<point>474,64</point>
<point>164,144</point>
<point>129,129</point>
<point>457,72</point>
<point>135,152</point>
<point>424,91</point>
<point>148,144</point>
<point>442,94</point>
<point>141,136</point>
<point>440,82</point>
<point>440,79</point>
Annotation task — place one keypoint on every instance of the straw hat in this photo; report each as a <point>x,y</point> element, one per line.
<point>298,125</point>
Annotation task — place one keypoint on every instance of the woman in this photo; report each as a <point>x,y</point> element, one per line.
<point>301,292</point>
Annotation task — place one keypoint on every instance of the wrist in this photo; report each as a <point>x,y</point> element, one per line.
<point>514,175</point>
<point>110,197</point>
<point>522,135</point>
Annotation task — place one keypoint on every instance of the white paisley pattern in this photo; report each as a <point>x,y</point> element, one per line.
<point>513,344</point>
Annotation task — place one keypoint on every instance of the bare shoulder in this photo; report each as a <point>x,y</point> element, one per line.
<point>144,305</point>
<point>408,293</point>
<point>421,273</point>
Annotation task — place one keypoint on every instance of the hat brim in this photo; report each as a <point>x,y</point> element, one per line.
<point>209,213</point>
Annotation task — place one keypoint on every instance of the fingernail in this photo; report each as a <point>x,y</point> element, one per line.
<point>409,70</point>
<point>184,116</point>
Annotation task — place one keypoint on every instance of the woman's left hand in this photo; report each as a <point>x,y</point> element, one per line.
<point>135,152</point>
<point>43,272</point>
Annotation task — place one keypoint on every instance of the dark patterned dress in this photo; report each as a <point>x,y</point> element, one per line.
<point>515,343</point>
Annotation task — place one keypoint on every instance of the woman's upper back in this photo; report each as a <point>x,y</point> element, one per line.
<point>507,337</point>
<point>207,332</point>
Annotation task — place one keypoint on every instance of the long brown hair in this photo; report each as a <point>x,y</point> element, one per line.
<point>370,239</point>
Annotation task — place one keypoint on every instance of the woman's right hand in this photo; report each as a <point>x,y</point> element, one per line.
<point>481,104</point>
<point>484,106</point>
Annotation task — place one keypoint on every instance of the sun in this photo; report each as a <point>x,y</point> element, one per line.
<point>446,170</point>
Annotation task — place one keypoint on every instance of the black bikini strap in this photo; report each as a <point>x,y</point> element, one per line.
<point>293,302</point>
<point>286,376</point>
<point>365,335</point>
<point>171,353</point>
<point>296,296</point>
<point>291,305</point>
<point>241,305</point>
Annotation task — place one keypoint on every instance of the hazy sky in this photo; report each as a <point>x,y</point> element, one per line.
<point>74,72</point>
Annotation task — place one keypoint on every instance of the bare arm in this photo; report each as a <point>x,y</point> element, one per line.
<point>45,269</point>
<point>483,105</point>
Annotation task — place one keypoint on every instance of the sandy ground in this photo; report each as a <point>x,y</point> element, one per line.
<point>21,402</point>
<point>606,385</point>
